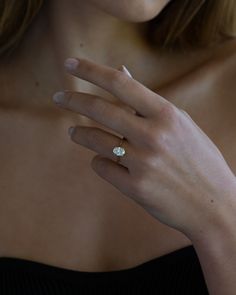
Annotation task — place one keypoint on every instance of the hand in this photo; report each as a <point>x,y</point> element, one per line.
<point>171,167</point>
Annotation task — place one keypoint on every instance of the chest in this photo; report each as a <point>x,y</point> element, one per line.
<point>38,156</point>
<point>34,143</point>
<point>49,178</point>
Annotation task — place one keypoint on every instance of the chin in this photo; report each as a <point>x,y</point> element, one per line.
<point>132,10</point>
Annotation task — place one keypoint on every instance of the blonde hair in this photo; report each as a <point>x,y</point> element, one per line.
<point>188,24</point>
<point>15,18</point>
<point>181,24</point>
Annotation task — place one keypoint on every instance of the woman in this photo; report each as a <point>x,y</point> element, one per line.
<point>70,225</point>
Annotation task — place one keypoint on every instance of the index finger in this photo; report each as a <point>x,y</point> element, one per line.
<point>128,90</point>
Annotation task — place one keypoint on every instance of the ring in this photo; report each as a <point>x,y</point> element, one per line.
<point>119,151</point>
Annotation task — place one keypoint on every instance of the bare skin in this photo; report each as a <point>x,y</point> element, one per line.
<point>54,208</point>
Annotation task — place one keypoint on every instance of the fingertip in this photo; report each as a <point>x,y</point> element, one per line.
<point>71,63</point>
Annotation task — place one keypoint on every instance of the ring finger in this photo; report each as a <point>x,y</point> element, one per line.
<point>103,143</point>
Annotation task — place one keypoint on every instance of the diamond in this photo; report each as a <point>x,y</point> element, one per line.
<point>119,151</point>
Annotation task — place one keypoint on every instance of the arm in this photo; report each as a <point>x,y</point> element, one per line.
<point>171,168</point>
<point>216,250</point>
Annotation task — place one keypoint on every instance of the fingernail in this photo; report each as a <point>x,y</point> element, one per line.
<point>126,71</point>
<point>71,63</point>
<point>58,97</point>
<point>71,130</point>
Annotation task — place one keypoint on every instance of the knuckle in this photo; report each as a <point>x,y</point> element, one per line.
<point>168,113</point>
<point>154,138</point>
<point>152,160</point>
<point>118,79</point>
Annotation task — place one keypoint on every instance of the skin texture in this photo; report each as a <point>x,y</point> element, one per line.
<point>169,159</point>
<point>172,162</point>
<point>73,218</point>
<point>134,10</point>
<point>66,28</point>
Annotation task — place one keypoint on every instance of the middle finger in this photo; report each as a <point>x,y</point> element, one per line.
<point>128,90</point>
<point>106,113</point>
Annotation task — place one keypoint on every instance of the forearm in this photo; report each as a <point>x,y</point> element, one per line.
<point>216,250</point>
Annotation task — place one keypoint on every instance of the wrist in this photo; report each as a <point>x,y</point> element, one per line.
<point>220,221</point>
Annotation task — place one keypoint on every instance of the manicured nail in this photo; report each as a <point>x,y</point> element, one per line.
<point>58,97</point>
<point>71,63</point>
<point>126,71</point>
<point>71,130</point>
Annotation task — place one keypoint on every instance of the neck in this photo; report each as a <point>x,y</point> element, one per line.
<point>85,27</point>
<point>64,29</point>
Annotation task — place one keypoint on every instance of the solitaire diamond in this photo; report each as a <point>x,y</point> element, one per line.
<point>119,151</point>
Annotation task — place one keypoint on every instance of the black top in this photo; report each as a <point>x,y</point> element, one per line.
<point>178,272</point>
